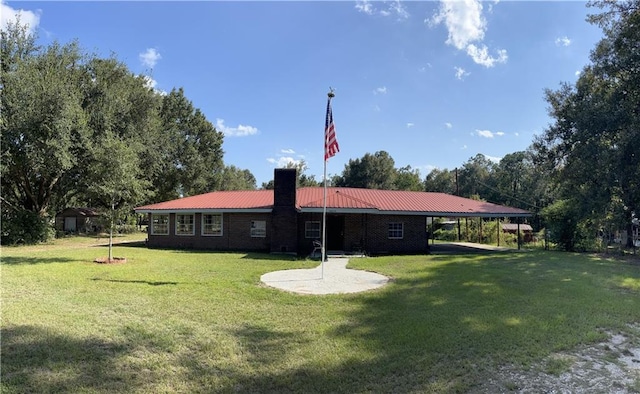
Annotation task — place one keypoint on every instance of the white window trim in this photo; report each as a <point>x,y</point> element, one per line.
<point>193,225</point>
<point>264,234</point>
<point>401,230</point>
<point>202,226</point>
<point>306,230</point>
<point>153,227</point>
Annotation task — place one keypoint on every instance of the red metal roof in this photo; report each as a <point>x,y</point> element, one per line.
<point>223,200</point>
<point>310,199</point>
<point>399,201</point>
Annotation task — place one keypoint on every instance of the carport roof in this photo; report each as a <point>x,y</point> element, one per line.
<point>341,200</point>
<point>402,203</point>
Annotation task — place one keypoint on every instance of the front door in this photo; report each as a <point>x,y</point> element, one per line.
<point>335,232</point>
<point>70,224</point>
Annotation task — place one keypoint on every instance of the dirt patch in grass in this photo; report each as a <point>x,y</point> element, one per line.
<point>114,260</point>
<point>612,366</point>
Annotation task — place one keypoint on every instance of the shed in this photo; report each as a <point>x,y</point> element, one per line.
<point>78,220</point>
<point>525,229</point>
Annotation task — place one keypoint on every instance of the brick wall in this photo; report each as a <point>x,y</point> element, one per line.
<point>370,233</point>
<point>236,234</point>
<point>414,238</point>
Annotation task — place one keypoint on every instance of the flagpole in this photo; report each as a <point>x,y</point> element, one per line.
<point>330,95</point>
<point>324,219</point>
<point>330,149</point>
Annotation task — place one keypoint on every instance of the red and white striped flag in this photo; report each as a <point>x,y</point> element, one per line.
<point>330,142</point>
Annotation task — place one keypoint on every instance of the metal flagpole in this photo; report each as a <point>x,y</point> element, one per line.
<point>324,219</point>
<point>330,149</point>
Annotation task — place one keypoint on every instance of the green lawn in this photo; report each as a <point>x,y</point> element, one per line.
<point>179,321</point>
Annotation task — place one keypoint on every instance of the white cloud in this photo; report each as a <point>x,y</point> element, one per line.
<point>398,9</point>
<point>577,73</point>
<point>287,151</point>
<point>364,6</point>
<point>481,56</point>
<point>500,133</point>
<point>461,73</point>
<point>484,133</point>
<point>409,125</point>
<point>563,41</point>
<point>464,21</point>
<point>463,147</point>
<point>516,134</point>
<point>448,125</point>
<point>494,159</point>
<point>31,19</point>
<point>240,131</point>
<point>466,26</point>
<point>150,57</point>
<point>283,161</point>
<point>380,90</point>
<point>394,8</point>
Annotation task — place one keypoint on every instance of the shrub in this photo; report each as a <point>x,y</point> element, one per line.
<point>25,227</point>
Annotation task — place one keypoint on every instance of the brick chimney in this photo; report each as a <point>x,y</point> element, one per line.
<point>284,223</point>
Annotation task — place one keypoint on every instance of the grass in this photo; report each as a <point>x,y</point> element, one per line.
<point>188,321</point>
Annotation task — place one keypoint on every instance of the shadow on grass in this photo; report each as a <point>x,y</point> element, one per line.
<point>443,325</point>
<point>129,244</point>
<point>38,361</point>
<point>447,326</point>
<point>21,260</point>
<point>144,282</point>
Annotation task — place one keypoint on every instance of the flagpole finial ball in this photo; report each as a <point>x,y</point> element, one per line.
<point>331,94</point>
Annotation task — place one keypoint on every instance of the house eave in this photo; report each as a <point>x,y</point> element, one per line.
<point>206,210</point>
<point>421,213</point>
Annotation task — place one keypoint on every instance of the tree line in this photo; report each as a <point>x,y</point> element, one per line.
<point>77,130</point>
<point>80,130</point>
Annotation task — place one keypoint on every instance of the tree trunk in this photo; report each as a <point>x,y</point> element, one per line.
<point>111,233</point>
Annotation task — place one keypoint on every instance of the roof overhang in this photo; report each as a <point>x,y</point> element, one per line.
<point>421,213</point>
<point>206,210</point>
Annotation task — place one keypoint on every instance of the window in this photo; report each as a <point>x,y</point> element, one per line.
<point>312,229</point>
<point>184,225</point>
<point>396,230</point>
<point>212,224</point>
<point>160,224</point>
<point>258,228</point>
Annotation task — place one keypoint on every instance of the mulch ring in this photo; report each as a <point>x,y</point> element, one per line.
<point>114,260</point>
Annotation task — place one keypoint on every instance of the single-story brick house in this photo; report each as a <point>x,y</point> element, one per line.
<point>288,219</point>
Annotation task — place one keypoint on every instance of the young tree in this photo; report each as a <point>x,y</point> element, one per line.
<point>116,182</point>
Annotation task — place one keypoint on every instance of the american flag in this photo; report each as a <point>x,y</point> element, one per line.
<point>330,142</point>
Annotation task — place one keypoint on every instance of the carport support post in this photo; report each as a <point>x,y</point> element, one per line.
<point>498,230</point>
<point>519,233</point>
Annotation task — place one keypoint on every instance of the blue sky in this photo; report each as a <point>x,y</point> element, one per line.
<point>432,82</point>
